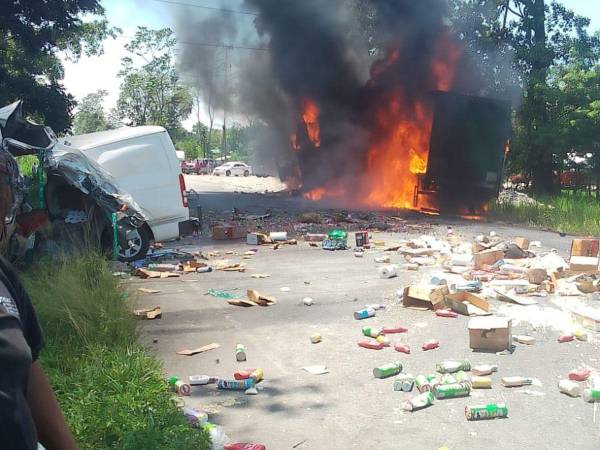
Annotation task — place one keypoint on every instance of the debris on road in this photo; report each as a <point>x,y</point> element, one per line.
<point>402,348</point>
<point>240,352</point>
<point>419,402</point>
<point>316,370</point>
<point>315,338</point>
<point>569,387</point>
<point>148,313</point>
<point>180,387</point>
<point>195,351</point>
<point>486,412</point>
<point>364,313</point>
<point>221,294</point>
<point>387,370</point>
<point>431,344</point>
<point>148,291</point>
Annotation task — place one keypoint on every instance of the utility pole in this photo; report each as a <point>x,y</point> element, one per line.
<point>224,135</point>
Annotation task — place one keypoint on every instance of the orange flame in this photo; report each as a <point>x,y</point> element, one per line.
<point>310,116</point>
<point>316,194</point>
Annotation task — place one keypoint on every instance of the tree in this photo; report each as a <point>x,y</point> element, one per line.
<point>90,115</point>
<point>151,92</point>
<point>31,35</point>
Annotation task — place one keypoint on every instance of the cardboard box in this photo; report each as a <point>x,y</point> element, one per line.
<point>425,296</point>
<point>467,304</point>
<point>487,258</point>
<point>490,333</point>
<point>523,243</point>
<point>222,232</point>
<point>256,238</point>
<point>584,255</point>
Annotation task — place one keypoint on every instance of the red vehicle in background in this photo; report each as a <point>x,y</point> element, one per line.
<point>198,166</point>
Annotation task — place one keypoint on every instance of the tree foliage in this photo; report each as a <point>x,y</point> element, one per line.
<point>32,33</point>
<point>151,91</point>
<point>90,115</point>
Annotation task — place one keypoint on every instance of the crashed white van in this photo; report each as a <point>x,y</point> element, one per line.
<point>133,172</point>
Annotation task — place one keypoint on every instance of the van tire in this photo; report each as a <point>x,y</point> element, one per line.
<point>145,237</point>
<point>228,173</point>
<point>246,173</point>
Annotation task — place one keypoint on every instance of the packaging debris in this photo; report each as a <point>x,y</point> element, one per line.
<point>467,304</point>
<point>195,351</point>
<point>424,296</point>
<point>254,299</point>
<point>316,370</point>
<point>148,314</point>
<point>145,274</point>
<point>584,255</point>
<point>490,333</point>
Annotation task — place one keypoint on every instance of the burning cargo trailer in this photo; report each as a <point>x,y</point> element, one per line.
<point>447,158</point>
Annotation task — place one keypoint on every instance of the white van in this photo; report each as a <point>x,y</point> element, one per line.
<point>143,163</point>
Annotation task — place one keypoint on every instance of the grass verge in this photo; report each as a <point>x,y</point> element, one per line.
<point>112,392</point>
<point>565,213</point>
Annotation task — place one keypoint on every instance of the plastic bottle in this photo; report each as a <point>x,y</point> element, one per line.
<point>421,401</point>
<point>451,366</point>
<point>591,395</point>
<point>402,348</point>
<point>571,388</point>
<point>364,313</point>
<point>431,345</point>
<point>387,370</point>
<point>199,379</point>
<point>484,369</point>
<point>516,381</point>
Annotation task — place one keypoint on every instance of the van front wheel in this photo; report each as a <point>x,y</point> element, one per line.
<point>138,243</point>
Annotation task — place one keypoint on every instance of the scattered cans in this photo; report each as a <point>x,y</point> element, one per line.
<point>404,382</point>
<point>383,340</point>
<point>364,313</point>
<point>580,374</point>
<point>570,388</point>
<point>478,382</point>
<point>370,331</point>
<point>484,369</point>
<point>402,348</point>
<point>422,383</point>
<point>516,381</point>
<point>240,353</point>
<point>451,366</point>
<point>580,335</point>
<point>452,390</point>
<point>431,345</point>
<point>421,401</point>
<point>315,338</point>
<point>201,379</point>
<point>394,330</point>
<point>486,412</point>
<point>387,370</point>
<point>591,395</point>
<point>180,387</point>
<point>235,385</point>
<point>565,338</point>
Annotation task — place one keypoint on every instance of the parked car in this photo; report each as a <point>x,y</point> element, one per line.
<point>233,168</point>
<point>189,167</point>
<point>131,172</point>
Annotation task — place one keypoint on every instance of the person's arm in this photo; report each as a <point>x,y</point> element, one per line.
<point>53,432</point>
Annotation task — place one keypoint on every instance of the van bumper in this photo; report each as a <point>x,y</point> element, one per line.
<point>189,227</point>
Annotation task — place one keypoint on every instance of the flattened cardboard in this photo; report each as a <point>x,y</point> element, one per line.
<point>467,304</point>
<point>426,296</point>
<point>195,351</point>
<point>487,258</point>
<point>490,333</point>
<point>148,313</point>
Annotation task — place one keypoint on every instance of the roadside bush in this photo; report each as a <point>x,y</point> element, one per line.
<point>111,390</point>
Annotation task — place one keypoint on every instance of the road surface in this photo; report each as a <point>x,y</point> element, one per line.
<point>348,408</point>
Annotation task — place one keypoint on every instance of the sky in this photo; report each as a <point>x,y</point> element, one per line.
<point>92,73</point>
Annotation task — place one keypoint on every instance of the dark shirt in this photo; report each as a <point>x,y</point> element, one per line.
<point>20,344</point>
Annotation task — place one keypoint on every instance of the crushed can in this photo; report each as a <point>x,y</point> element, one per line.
<point>452,390</point>
<point>431,344</point>
<point>394,330</point>
<point>421,401</point>
<point>486,412</point>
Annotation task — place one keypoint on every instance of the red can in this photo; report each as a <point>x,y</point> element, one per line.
<point>243,374</point>
<point>402,348</point>
<point>446,313</point>
<point>371,345</point>
<point>431,344</point>
<point>394,330</point>
<point>361,238</point>
<point>581,374</point>
<point>565,338</point>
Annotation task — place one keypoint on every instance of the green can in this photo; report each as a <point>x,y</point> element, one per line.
<point>370,331</point>
<point>452,390</point>
<point>591,395</point>
<point>421,401</point>
<point>423,384</point>
<point>448,378</point>
<point>452,366</point>
<point>486,412</point>
<point>387,370</point>
<point>461,376</point>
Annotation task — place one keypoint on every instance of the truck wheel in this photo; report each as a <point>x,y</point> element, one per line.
<point>228,173</point>
<point>246,173</point>
<point>138,244</point>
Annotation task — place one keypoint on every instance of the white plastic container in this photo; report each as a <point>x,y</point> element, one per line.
<point>389,271</point>
<point>571,388</point>
<point>278,236</point>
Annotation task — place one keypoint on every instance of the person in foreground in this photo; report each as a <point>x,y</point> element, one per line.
<point>29,411</point>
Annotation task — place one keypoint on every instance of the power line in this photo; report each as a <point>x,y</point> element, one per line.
<point>212,8</point>
<point>235,47</point>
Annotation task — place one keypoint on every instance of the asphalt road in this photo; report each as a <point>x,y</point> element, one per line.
<point>348,408</point>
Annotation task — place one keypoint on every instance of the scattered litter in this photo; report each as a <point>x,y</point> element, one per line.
<point>389,271</point>
<point>285,289</point>
<point>315,338</point>
<point>308,301</point>
<point>260,275</point>
<point>517,381</point>
<point>195,417</point>
<point>316,370</point>
<point>195,351</point>
<point>199,380</point>
<point>235,385</point>
<point>522,339</point>
<point>569,387</point>
<point>180,387</point>
<point>580,374</point>
<point>484,369</point>
<point>565,338</point>
<point>148,291</point>
<point>387,370</point>
<point>430,345</point>
<point>251,391</point>
<point>402,348</point>
<point>364,313</point>
<point>371,345</point>
<point>394,330</point>
<point>240,352</point>
<point>486,412</point>
<point>148,314</point>
<point>254,299</point>
<point>221,294</point>
<point>591,395</point>
<point>419,402</point>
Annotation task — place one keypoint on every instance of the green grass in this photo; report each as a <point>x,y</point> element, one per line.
<point>565,213</point>
<point>111,390</point>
